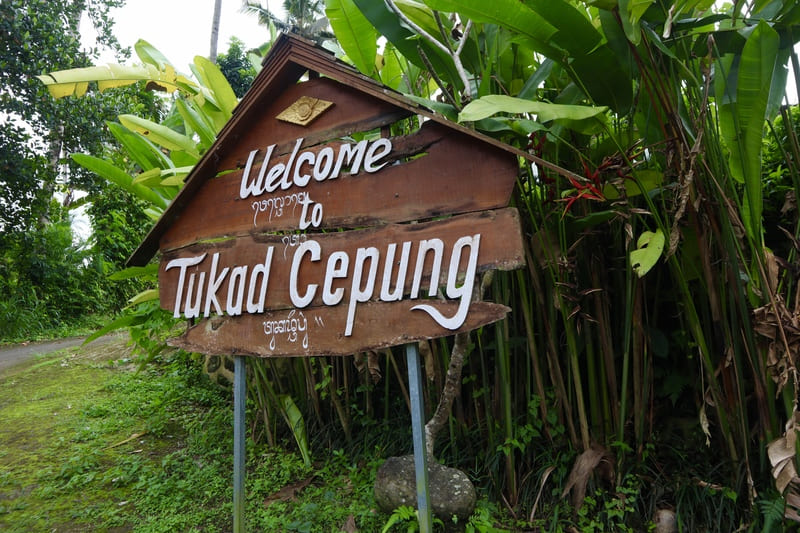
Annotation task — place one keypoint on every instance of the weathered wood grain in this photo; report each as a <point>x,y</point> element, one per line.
<point>451,173</point>
<point>318,331</point>
<point>500,248</point>
<point>351,113</point>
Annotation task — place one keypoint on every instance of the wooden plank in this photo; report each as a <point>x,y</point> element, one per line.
<point>254,119</point>
<point>288,59</point>
<point>499,246</point>
<point>430,185</point>
<point>318,330</point>
<point>351,113</point>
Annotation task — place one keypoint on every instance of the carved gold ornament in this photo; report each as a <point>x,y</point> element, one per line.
<point>304,110</point>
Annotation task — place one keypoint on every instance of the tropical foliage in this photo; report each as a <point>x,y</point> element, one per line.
<point>303,17</point>
<point>47,277</point>
<point>654,335</point>
<point>237,67</point>
<point>650,297</point>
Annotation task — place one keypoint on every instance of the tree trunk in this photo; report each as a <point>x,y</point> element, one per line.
<point>53,163</point>
<point>452,382</point>
<point>212,54</point>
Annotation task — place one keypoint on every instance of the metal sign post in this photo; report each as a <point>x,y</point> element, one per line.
<point>288,241</point>
<point>418,435</point>
<point>239,394</point>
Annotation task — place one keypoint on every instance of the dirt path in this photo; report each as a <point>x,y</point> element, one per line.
<point>12,355</point>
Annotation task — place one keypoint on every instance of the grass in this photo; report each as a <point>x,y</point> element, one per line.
<point>90,443</point>
<point>34,331</point>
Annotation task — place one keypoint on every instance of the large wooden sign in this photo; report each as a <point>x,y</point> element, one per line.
<point>310,229</point>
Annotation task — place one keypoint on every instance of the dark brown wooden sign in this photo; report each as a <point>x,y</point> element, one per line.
<point>426,174</point>
<point>336,274</point>
<point>318,331</point>
<point>310,229</point>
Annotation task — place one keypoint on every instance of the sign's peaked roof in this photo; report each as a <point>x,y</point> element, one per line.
<point>287,61</point>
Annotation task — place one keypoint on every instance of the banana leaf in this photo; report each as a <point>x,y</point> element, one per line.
<point>577,117</point>
<point>409,44</point>
<point>294,418</point>
<point>75,82</point>
<point>160,135</point>
<point>212,78</point>
<point>742,93</point>
<point>559,31</point>
<point>118,176</point>
<point>197,122</point>
<point>142,151</point>
<point>357,37</point>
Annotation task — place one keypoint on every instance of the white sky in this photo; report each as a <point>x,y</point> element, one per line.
<point>181,29</point>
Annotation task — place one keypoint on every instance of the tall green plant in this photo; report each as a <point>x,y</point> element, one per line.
<point>647,258</point>
<point>651,321</point>
<point>164,154</point>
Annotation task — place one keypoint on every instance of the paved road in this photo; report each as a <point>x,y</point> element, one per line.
<point>13,355</point>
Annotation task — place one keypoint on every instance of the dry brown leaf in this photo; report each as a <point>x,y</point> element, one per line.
<point>547,472</point>
<point>289,492</point>
<point>666,521</point>
<point>358,362</point>
<point>792,498</point>
<point>367,362</point>
<point>772,269</point>
<point>779,331</point>
<point>595,458</point>
<point>783,473</point>
<point>374,367</point>
<point>781,452</point>
<point>704,425</point>
<point>349,525</point>
<point>789,203</point>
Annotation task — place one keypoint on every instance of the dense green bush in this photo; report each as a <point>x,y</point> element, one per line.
<point>49,282</point>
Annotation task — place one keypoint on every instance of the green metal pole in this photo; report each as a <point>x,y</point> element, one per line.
<point>239,394</point>
<point>418,435</point>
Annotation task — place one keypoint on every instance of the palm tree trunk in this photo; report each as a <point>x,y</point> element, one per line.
<point>212,54</point>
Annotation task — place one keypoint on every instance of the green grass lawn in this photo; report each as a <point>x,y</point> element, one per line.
<point>90,443</point>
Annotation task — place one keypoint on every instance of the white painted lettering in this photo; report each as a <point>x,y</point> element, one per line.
<point>338,262</point>
<point>357,293</point>
<point>274,176</point>
<point>286,182</point>
<point>214,284</point>
<point>263,271</point>
<point>437,246</point>
<point>387,295</point>
<point>246,189</point>
<point>324,164</point>
<point>382,146</point>
<point>314,249</point>
<point>316,213</point>
<point>193,309</point>
<point>183,263</point>
<point>349,155</point>
<point>236,290</point>
<point>464,293</point>
<point>244,287</point>
<point>302,180</point>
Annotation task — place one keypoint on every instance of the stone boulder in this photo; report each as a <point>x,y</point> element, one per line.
<point>451,491</point>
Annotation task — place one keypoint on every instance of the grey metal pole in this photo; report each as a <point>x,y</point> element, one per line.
<point>239,394</point>
<point>418,431</point>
